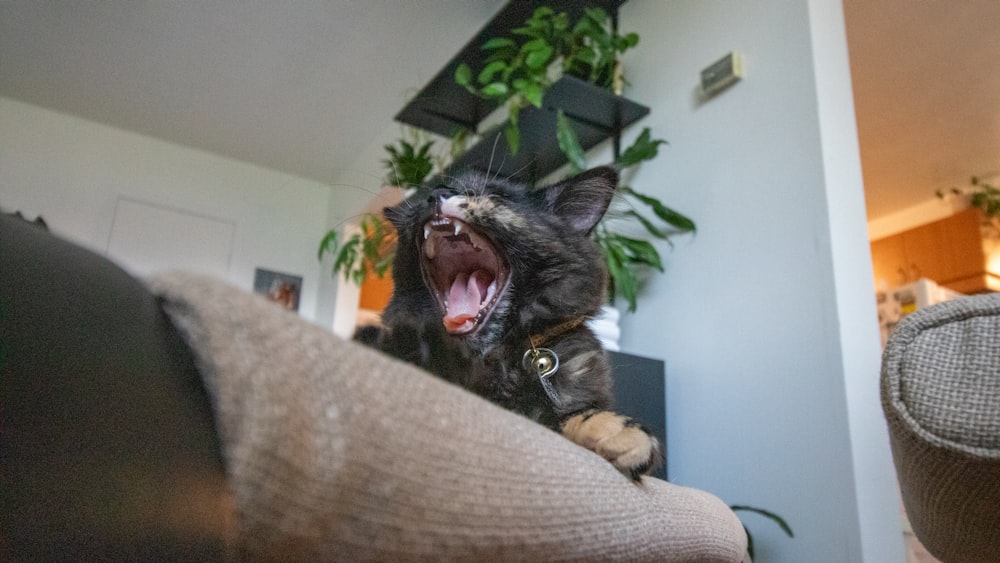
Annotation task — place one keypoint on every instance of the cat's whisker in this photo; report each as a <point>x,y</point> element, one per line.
<point>493,152</point>
<point>523,168</point>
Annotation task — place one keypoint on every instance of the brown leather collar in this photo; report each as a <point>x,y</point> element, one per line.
<point>539,340</point>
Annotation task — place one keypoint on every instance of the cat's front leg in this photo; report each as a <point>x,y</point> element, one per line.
<point>617,438</point>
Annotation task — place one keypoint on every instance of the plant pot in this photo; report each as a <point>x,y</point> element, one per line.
<point>595,113</point>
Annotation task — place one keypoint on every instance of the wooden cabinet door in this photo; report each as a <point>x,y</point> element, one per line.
<point>928,252</point>
<point>964,235</point>
<point>943,251</point>
<point>889,262</point>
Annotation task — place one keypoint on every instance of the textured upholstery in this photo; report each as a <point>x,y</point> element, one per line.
<point>250,434</point>
<point>941,397</point>
<point>337,452</point>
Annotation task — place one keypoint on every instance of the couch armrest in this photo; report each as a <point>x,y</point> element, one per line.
<point>941,396</point>
<point>338,452</point>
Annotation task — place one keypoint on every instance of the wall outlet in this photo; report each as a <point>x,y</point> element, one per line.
<point>722,73</point>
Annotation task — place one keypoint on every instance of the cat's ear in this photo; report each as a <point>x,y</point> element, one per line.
<point>582,199</point>
<point>395,215</point>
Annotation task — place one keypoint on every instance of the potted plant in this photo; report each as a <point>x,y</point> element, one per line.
<point>372,249</point>
<point>518,71</point>
<point>982,195</point>
<point>520,68</point>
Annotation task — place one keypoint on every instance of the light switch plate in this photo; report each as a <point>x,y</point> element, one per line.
<point>722,73</point>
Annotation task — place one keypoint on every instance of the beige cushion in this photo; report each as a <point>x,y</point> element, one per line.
<point>941,397</point>
<point>335,452</point>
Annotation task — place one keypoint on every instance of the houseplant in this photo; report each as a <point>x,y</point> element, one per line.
<point>521,67</point>
<point>981,194</point>
<point>372,249</point>
<point>517,73</point>
<point>765,513</point>
<point>625,255</point>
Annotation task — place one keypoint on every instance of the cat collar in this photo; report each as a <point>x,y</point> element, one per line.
<point>543,361</point>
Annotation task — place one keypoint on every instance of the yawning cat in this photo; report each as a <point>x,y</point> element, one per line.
<point>493,283</point>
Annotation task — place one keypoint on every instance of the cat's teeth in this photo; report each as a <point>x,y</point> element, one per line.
<point>490,292</point>
<point>458,228</point>
<point>430,251</point>
<point>427,232</point>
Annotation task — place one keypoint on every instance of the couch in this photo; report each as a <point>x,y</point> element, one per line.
<point>941,397</point>
<point>180,418</point>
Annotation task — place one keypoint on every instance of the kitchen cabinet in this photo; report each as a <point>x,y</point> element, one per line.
<point>955,252</point>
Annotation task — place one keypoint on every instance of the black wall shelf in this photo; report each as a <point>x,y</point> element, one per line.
<point>445,108</point>
<point>595,114</point>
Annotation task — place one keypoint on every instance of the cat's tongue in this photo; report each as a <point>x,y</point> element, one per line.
<point>464,300</point>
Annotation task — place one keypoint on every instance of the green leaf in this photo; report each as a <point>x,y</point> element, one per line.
<point>498,43</point>
<point>524,31</point>
<point>560,23</point>
<point>569,143</point>
<point>640,252</point>
<point>650,227</point>
<point>537,58</point>
<point>490,70</point>
<point>749,542</point>
<point>768,514</point>
<point>597,15</point>
<point>542,12</point>
<point>347,256</point>
<point>644,148</point>
<point>513,135</point>
<point>532,92</point>
<point>623,281</point>
<point>588,56</point>
<point>619,258</point>
<point>463,75</point>
<point>677,220</point>
<point>535,45</point>
<point>495,90</point>
<point>327,245</point>
<point>384,262</point>
<point>408,165</point>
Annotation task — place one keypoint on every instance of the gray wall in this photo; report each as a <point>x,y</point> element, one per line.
<point>766,318</point>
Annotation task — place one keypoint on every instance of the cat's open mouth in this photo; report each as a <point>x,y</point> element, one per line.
<point>464,271</point>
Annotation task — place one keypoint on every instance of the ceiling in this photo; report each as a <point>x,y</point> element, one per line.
<point>304,91</point>
<point>926,76</point>
<point>300,90</point>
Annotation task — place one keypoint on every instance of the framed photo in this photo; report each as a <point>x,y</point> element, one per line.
<point>283,289</point>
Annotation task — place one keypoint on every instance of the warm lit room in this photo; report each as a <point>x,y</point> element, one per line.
<point>511,280</point>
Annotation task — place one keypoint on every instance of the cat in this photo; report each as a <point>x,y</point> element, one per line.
<point>493,283</point>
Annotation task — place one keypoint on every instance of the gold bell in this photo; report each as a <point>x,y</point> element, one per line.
<point>542,361</point>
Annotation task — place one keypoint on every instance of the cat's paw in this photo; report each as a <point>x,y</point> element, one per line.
<point>619,439</point>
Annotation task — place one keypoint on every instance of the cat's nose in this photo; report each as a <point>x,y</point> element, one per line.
<point>439,195</point>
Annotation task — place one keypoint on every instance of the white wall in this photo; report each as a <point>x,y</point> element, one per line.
<point>766,317</point>
<point>355,187</point>
<point>73,171</point>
